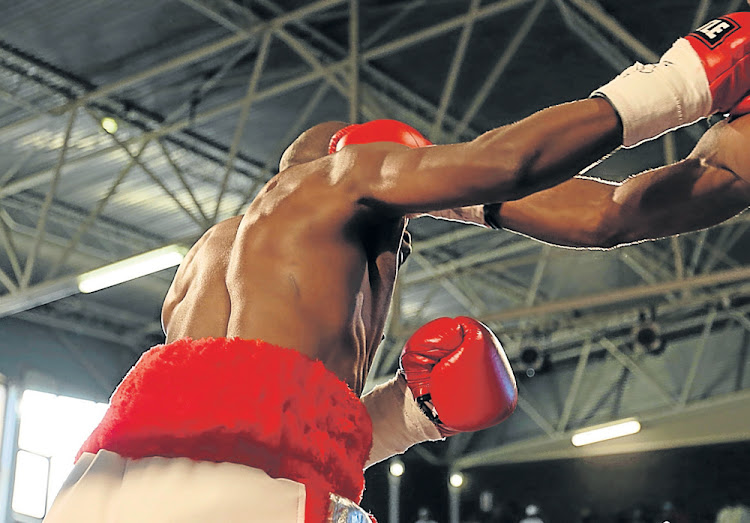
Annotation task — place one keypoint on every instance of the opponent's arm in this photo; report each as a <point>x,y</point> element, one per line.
<point>708,187</point>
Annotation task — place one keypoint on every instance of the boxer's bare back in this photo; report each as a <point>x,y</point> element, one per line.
<point>312,263</point>
<point>304,268</point>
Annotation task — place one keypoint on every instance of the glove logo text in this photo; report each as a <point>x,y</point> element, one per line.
<point>715,31</point>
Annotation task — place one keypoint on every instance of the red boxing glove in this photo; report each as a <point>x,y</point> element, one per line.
<point>377,131</point>
<point>723,46</point>
<point>459,375</point>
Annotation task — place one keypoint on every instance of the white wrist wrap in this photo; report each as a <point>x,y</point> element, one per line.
<point>655,98</point>
<point>397,421</point>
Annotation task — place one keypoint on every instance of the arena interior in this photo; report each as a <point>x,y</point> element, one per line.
<point>129,127</point>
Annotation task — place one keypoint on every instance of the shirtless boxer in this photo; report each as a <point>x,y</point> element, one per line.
<point>311,267</point>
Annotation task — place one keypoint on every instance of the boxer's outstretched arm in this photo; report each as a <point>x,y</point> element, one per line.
<point>503,164</point>
<point>710,186</point>
<point>702,74</point>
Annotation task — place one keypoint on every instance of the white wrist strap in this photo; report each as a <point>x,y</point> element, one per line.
<point>397,421</point>
<point>655,98</point>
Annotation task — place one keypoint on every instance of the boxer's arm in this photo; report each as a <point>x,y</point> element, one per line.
<point>702,74</point>
<point>708,187</point>
<point>503,164</point>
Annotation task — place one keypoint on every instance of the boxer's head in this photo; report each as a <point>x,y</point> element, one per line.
<point>311,145</point>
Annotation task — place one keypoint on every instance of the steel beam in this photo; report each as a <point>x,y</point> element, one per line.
<point>742,360</point>
<point>354,50</point>
<point>459,54</point>
<point>701,13</point>
<point>93,215</point>
<point>452,237</point>
<point>633,366</point>
<point>449,286</point>
<point>377,82</point>
<point>536,279</point>
<point>36,295</point>
<point>531,411</point>
<point>296,128</point>
<point>48,321</point>
<point>158,181</point>
<point>586,31</point>
<point>42,176</point>
<point>499,68</point>
<point>179,173</point>
<point>622,295</point>
<point>198,54</point>
<point>239,130</point>
<point>6,238</point>
<point>7,282</point>
<point>436,30</point>
<point>63,87</point>
<point>727,239</point>
<point>111,232</point>
<point>697,357</point>
<point>42,222</point>
<point>583,358</point>
<point>392,22</point>
<point>40,294</point>
<point>543,447</point>
<point>697,252</point>
<point>592,9</point>
<point>443,269</point>
<point>17,165</point>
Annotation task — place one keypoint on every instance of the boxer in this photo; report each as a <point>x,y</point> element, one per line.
<point>274,317</point>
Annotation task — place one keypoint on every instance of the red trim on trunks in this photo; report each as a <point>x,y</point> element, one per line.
<point>246,402</point>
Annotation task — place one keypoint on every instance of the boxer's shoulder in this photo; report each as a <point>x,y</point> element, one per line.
<point>336,181</point>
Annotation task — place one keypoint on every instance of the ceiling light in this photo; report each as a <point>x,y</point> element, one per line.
<point>132,268</point>
<point>616,430</point>
<point>396,468</point>
<point>109,125</point>
<point>456,479</point>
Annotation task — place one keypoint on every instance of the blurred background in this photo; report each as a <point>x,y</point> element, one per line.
<point>129,128</point>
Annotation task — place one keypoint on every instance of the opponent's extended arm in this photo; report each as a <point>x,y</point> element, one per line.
<point>708,187</point>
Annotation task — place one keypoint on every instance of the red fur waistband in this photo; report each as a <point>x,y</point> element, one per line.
<point>240,401</point>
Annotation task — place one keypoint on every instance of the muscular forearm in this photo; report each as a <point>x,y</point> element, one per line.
<point>551,146</point>
<point>576,213</point>
<point>583,212</point>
